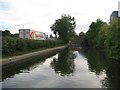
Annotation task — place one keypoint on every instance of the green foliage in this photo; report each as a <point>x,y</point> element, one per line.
<point>82,39</point>
<point>6,33</point>
<point>15,35</point>
<point>64,27</point>
<point>102,35</point>
<point>21,45</point>
<point>11,45</point>
<point>113,39</point>
<point>8,45</point>
<point>107,36</point>
<point>93,31</point>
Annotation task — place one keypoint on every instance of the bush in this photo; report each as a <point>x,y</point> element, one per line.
<point>11,45</point>
<point>21,45</point>
<point>8,45</point>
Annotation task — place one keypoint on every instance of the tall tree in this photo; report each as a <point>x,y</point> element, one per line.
<point>93,31</point>
<point>64,27</point>
<point>113,39</point>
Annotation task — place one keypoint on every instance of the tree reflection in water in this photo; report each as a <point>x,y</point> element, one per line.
<point>98,62</point>
<point>64,64</point>
<point>113,75</point>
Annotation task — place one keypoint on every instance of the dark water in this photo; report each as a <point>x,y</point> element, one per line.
<point>64,69</point>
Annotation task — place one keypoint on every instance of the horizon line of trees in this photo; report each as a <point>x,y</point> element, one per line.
<point>7,33</point>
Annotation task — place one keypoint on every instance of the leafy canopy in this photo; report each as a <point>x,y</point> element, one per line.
<point>64,28</point>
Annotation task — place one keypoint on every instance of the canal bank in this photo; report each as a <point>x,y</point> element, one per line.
<point>12,60</point>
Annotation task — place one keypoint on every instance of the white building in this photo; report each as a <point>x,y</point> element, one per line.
<point>31,34</point>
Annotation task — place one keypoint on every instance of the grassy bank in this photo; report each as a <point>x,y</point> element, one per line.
<point>16,46</point>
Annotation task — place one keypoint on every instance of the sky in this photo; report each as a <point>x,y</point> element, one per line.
<point>39,15</point>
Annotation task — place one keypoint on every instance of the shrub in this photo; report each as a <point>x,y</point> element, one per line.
<point>11,45</point>
<point>21,45</point>
<point>8,45</point>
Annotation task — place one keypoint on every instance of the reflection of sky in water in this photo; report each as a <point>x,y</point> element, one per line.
<point>43,76</point>
<point>49,60</point>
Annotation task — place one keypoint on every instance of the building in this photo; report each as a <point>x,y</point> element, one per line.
<point>31,34</point>
<point>114,15</point>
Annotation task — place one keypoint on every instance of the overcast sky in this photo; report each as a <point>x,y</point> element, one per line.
<point>41,14</point>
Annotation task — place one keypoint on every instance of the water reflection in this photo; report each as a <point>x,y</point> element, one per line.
<point>99,63</point>
<point>96,60</point>
<point>64,64</point>
<point>25,66</point>
<point>79,68</point>
<point>113,75</point>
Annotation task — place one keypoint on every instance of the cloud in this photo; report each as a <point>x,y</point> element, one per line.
<point>41,14</point>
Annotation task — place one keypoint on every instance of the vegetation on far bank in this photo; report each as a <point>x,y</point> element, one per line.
<point>104,36</point>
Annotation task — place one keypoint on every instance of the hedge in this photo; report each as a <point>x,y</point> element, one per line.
<point>11,45</point>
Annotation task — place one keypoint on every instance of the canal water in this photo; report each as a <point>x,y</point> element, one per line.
<point>68,68</point>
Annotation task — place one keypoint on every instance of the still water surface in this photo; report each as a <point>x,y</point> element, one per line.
<point>65,69</point>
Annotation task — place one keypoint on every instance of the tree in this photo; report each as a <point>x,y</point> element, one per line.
<point>6,33</point>
<point>16,35</point>
<point>101,37</point>
<point>105,36</point>
<point>64,28</point>
<point>113,39</point>
<point>93,31</point>
<point>81,38</point>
